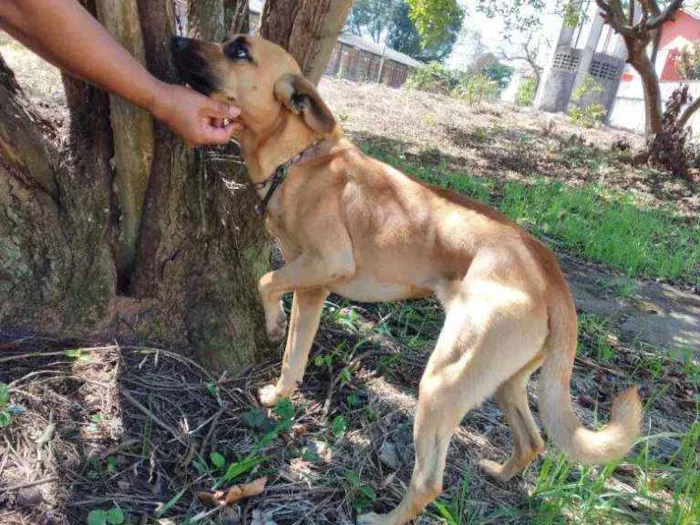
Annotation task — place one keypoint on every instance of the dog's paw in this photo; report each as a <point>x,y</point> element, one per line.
<point>372,519</point>
<point>268,396</point>
<point>493,470</point>
<point>277,326</point>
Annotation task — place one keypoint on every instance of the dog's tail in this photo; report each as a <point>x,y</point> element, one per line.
<point>562,424</point>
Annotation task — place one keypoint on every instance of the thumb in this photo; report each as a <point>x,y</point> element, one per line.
<point>221,110</point>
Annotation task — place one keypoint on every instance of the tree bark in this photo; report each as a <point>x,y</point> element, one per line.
<point>308,29</point>
<point>125,232</point>
<point>650,81</point>
<point>50,212</point>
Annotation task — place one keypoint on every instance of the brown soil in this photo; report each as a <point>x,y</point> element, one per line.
<point>501,141</point>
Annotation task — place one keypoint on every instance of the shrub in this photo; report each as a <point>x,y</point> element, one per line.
<point>434,78</point>
<point>588,113</point>
<point>525,95</point>
<point>588,116</point>
<point>475,88</point>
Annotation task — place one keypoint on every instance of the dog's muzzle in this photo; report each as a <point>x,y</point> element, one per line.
<point>191,65</point>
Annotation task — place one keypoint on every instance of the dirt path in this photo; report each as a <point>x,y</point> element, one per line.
<point>658,314</point>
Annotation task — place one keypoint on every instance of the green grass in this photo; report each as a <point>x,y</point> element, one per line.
<point>664,492</point>
<point>598,224</point>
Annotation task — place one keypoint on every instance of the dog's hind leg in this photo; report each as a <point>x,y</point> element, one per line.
<point>306,313</point>
<point>486,340</point>
<point>511,396</point>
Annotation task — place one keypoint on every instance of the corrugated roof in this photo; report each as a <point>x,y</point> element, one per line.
<point>378,49</point>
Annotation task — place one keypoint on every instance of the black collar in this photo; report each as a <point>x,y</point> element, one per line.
<point>277,178</point>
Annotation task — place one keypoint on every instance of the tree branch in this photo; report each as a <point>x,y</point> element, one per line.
<point>614,16</point>
<point>665,15</point>
<point>685,116</point>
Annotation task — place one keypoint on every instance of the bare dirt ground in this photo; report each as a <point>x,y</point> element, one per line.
<point>499,141</point>
<point>134,428</point>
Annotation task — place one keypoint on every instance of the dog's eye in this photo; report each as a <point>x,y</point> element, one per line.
<point>236,50</point>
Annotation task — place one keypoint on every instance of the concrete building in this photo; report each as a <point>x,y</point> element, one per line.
<point>628,109</point>
<point>589,48</point>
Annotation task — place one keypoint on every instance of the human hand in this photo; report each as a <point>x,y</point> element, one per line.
<point>196,118</point>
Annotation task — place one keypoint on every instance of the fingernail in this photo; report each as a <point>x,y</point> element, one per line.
<point>233,111</point>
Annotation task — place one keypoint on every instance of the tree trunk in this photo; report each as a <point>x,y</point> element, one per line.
<point>640,61</point>
<point>308,29</point>
<point>134,236</point>
<point>50,212</point>
<point>131,205</point>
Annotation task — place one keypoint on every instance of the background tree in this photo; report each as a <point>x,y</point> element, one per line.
<point>392,21</point>
<point>120,229</point>
<point>404,35</point>
<point>371,17</point>
<point>528,51</point>
<point>638,23</point>
<point>493,69</point>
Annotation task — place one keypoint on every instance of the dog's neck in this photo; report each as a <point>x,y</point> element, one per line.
<point>263,152</point>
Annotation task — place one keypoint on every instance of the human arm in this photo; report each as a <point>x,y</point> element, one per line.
<point>64,33</point>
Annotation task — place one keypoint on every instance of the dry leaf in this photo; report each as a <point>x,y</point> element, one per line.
<point>247,490</point>
<point>235,493</point>
<point>213,498</point>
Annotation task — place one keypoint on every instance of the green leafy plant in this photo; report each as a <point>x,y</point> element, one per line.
<point>339,426</point>
<point>113,516</point>
<point>476,88</point>
<point>361,495</point>
<point>434,78</point>
<point>525,95</point>
<point>587,113</point>
<point>6,414</point>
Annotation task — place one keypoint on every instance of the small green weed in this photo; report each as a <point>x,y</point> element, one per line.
<point>6,413</point>
<point>361,495</point>
<point>113,516</point>
<point>457,510</point>
<point>594,333</point>
<point>339,426</point>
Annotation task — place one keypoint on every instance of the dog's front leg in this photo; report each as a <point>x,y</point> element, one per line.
<point>306,314</point>
<point>310,279</point>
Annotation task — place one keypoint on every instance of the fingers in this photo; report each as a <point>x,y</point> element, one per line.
<point>219,135</point>
<point>221,110</point>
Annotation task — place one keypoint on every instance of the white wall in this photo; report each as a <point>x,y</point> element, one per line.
<point>628,109</point>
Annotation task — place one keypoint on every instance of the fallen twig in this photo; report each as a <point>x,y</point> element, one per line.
<point>153,417</point>
<point>29,484</point>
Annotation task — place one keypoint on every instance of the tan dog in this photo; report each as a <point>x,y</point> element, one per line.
<point>349,224</point>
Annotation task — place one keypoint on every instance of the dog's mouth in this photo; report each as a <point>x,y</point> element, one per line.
<point>191,66</point>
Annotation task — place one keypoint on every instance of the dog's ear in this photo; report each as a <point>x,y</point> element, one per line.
<point>301,98</point>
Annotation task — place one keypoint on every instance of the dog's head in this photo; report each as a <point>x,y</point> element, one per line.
<point>256,75</point>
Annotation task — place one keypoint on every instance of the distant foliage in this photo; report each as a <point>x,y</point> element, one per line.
<point>587,113</point>
<point>434,19</point>
<point>434,78</point>
<point>499,73</point>
<point>688,62</point>
<point>525,95</point>
<point>396,22</point>
<point>476,88</point>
